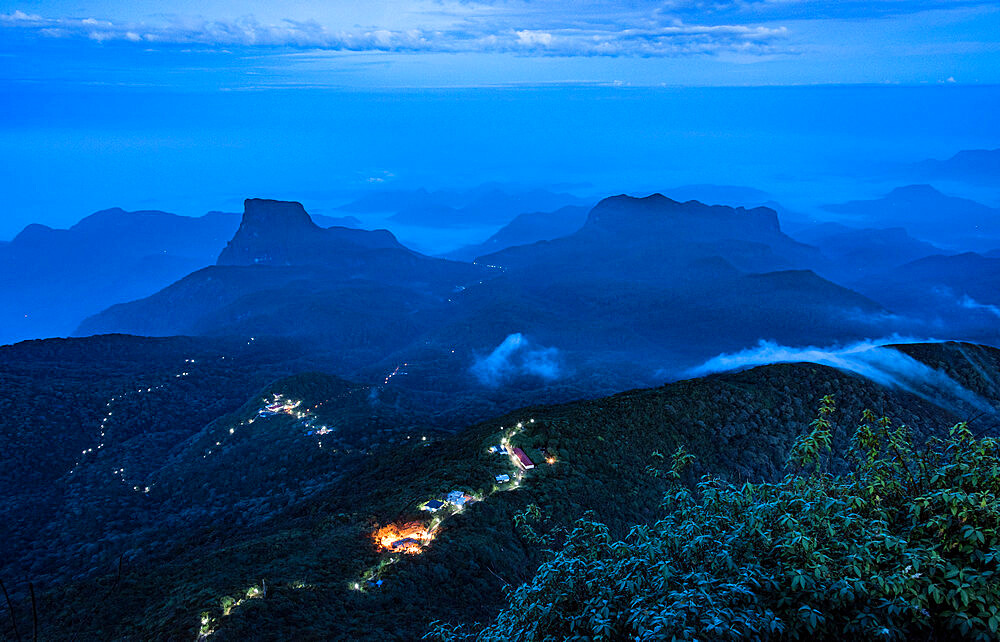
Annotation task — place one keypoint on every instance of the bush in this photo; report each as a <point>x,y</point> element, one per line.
<point>905,545</point>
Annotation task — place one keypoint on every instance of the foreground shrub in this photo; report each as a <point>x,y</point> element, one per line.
<point>903,546</point>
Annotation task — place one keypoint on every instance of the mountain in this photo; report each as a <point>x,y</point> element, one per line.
<point>732,195</point>
<point>956,223</point>
<point>855,252</point>
<point>655,234</point>
<point>651,285</point>
<point>356,291</point>
<point>526,229</point>
<point>650,280</point>
<point>490,207</point>
<point>958,294</point>
<point>51,279</point>
<point>978,166</point>
<point>282,233</point>
<point>281,511</point>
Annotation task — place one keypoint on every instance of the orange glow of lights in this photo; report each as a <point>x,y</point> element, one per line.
<point>550,460</point>
<point>410,537</point>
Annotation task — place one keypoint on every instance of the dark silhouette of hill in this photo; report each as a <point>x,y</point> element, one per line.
<point>526,229</point>
<point>489,204</point>
<point>648,237</point>
<point>978,166</point>
<point>855,253</point>
<point>948,221</point>
<point>957,294</point>
<point>645,284</point>
<point>282,233</point>
<point>51,279</point>
<point>283,275</point>
<point>676,278</point>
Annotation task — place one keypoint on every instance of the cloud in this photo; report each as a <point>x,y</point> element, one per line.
<point>735,10</point>
<point>971,304</point>
<point>870,359</point>
<point>647,34</point>
<point>516,356</point>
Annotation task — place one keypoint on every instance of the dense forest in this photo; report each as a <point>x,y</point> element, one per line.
<point>280,531</point>
<point>904,546</point>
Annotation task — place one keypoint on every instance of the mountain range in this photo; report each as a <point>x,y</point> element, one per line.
<point>489,204</point>
<point>51,279</point>
<point>641,277</point>
<point>949,221</point>
<point>526,229</point>
<point>971,165</point>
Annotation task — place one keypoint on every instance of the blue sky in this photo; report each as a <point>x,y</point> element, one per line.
<point>196,105</point>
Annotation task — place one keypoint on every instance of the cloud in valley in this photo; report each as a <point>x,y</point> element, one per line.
<point>516,356</point>
<point>969,303</point>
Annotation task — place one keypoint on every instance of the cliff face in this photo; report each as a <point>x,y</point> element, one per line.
<point>283,233</point>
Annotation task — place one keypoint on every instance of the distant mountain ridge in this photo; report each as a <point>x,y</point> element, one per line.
<point>856,253</point>
<point>656,233</point>
<point>646,284</point>
<point>50,279</point>
<point>980,166</point>
<point>526,229</point>
<point>357,292</point>
<point>661,281</point>
<point>929,215</point>
<point>486,205</point>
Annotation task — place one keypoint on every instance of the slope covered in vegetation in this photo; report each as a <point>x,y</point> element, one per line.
<point>904,546</point>
<point>313,561</point>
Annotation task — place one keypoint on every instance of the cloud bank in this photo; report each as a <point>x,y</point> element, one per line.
<point>516,356</point>
<point>650,34</point>
<point>870,359</point>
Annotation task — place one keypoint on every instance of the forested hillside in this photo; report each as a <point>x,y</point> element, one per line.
<point>320,559</point>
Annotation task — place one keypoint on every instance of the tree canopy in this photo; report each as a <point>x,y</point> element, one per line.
<point>904,545</point>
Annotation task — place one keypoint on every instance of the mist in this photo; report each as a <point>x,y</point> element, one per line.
<point>874,360</point>
<point>516,356</point>
<point>140,149</point>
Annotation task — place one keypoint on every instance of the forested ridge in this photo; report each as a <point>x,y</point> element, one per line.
<point>299,553</point>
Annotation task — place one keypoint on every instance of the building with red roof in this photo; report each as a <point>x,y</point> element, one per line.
<point>522,459</point>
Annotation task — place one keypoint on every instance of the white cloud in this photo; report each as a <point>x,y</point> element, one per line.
<point>532,38</point>
<point>870,359</point>
<point>530,34</point>
<point>971,304</point>
<point>516,356</point>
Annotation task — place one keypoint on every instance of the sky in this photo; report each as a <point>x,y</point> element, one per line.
<point>192,106</point>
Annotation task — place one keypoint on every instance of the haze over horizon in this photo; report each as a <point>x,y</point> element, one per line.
<point>114,104</point>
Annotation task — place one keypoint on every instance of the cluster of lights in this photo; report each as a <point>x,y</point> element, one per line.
<point>281,405</point>
<point>252,593</point>
<point>411,537</point>
<point>102,435</point>
<point>394,373</point>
